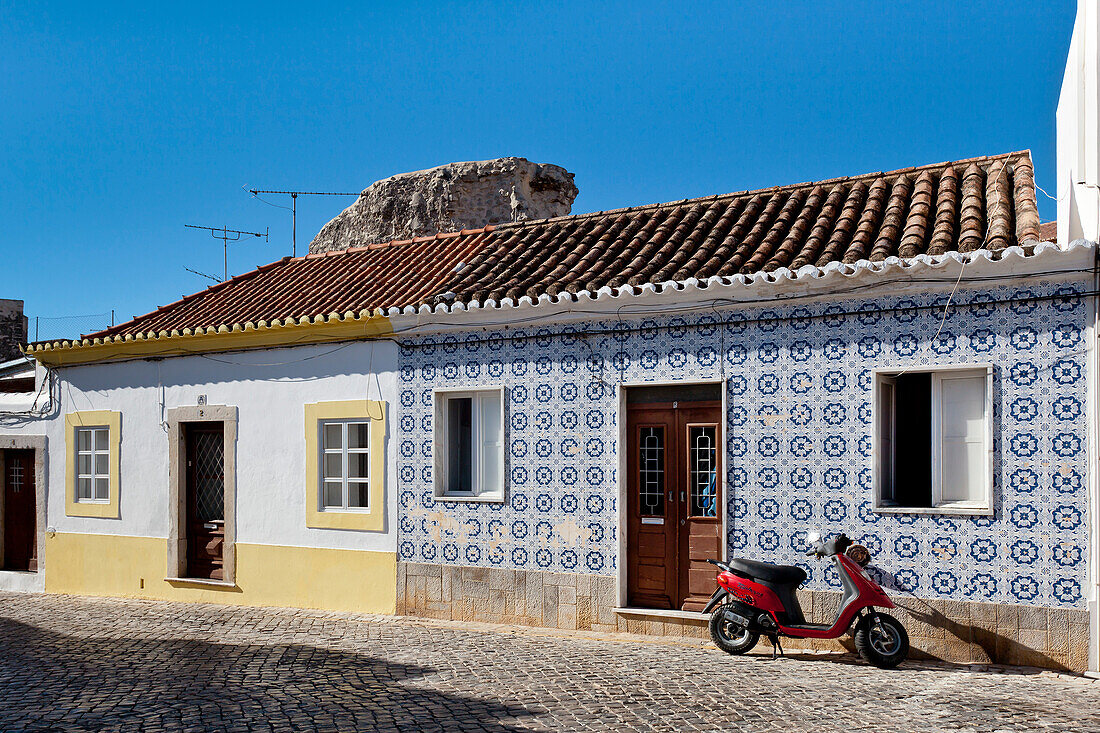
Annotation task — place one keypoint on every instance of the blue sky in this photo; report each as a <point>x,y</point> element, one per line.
<point>122,123</point>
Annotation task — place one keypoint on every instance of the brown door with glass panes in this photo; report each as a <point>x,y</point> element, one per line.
<point>20,524</point>
<point>205,445</point>
<point>674,502</point>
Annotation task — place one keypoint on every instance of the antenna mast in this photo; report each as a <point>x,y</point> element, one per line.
<point>294,208</point>
<point>226,235</point>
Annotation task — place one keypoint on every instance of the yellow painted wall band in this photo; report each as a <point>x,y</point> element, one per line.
<point>356,581</point>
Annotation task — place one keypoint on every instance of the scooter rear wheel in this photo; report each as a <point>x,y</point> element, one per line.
<point>884,644</point>
<point>729,636</point>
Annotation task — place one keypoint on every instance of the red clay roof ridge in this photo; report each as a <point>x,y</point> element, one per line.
<point>771,189</point>
<point>398,242</point>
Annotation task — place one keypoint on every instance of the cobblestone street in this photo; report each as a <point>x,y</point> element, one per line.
<point>78,664</point>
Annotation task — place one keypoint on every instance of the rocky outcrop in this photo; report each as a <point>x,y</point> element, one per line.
<point>450,198</point>
<point>13,329</point>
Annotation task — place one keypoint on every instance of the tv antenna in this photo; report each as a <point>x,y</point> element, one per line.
<point>294,208</point>
<point>226,235</point>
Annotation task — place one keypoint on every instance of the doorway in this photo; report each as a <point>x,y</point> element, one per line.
<point>205,498</point>
<point>20,511</point>
<point>675,498</point>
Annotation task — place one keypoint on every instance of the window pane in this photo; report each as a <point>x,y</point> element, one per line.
<point>460,467</point>
<point>963,408</point>
<point>101,488</point>
<point>703,470</point>
<point>84,464</point>
<point>84,488</point>
<point>963,471</point>
<point>333,494</point>
<point>358,495</point>
<point>358,465</point>
<point>490,442</point>
<point>651,471</point>
<point>83,439</point>
<point>333,433</point>
<point>358,435</point>
<point>101,461</point>
<point>101,439</point>
<point>334,465</point>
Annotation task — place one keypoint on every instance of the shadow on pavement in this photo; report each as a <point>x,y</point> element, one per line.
<point>52,681</point>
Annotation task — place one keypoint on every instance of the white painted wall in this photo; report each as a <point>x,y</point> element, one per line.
<point>1078,126</point>
<point>269,389</point>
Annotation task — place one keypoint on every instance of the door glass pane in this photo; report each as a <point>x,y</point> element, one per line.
<point>491,446</point>
<point>460,469</point>
<point>333,435</point>
<point>334,465</point>
<point>101,439</point>
<point>651,469</point>
<point>358,435</point>
<point>358,465</point>
<point>101,488</point>
<point>358,495</point>
<point>84,488</point>
<point>334,494</point>
<point>703,470</point>
<point>208,475</point>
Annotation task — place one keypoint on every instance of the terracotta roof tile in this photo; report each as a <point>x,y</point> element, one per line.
<point>961,206</point>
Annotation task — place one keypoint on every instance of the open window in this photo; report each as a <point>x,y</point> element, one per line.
<point>934,441</point>
<point>468,445</point>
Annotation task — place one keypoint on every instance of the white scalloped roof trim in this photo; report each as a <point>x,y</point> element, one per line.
<point>766,283</point>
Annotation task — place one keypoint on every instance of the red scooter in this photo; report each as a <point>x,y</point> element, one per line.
<point>758,598</point>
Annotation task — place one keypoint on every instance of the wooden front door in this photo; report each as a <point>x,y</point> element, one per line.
<point>675,502</point>
<point>205,446</point>
<point>20,521</point>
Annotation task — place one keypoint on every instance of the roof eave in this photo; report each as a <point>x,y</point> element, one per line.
<point>262,335</point>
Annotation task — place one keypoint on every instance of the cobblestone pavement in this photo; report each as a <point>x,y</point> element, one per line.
<point>80,664</point>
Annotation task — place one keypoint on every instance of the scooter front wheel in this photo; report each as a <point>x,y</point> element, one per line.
<point>730,636</point>
<point>883,643</point>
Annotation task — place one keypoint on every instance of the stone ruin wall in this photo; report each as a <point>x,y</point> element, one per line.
<point>450,198</point>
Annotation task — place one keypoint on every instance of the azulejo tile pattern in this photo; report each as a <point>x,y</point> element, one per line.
<point>798,437</point>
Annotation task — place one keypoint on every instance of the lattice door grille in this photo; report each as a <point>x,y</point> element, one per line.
<point>209,476</point>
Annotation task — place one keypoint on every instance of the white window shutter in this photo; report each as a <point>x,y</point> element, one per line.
<point>963,451</point>
<point>490,429</point>
<point>884,419</point>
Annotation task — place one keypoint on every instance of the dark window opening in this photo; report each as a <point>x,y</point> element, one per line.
<point>912,442</point>
<point>460,463</point>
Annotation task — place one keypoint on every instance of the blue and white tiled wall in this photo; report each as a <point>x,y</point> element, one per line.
<point>799,389</point>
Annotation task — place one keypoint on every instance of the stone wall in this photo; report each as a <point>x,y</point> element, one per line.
<point>13,329</point>
<point>955,631</point>
<point>450,198</point>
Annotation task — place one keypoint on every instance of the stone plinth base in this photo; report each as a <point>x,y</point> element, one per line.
<point>953,631</point>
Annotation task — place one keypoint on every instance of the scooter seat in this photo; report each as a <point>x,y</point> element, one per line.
<point>768,572</point>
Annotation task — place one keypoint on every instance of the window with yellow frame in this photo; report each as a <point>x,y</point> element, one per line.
<point>92,456</point>
<point>345,464</point>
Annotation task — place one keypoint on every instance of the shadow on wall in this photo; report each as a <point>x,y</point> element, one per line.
<point>56,681</point>
<point>974,632</point>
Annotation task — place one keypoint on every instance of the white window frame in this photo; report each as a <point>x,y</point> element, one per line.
<point>344,451</point>
<point>439,445</point>
<point>881,463</point>
<point>94,476</point>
